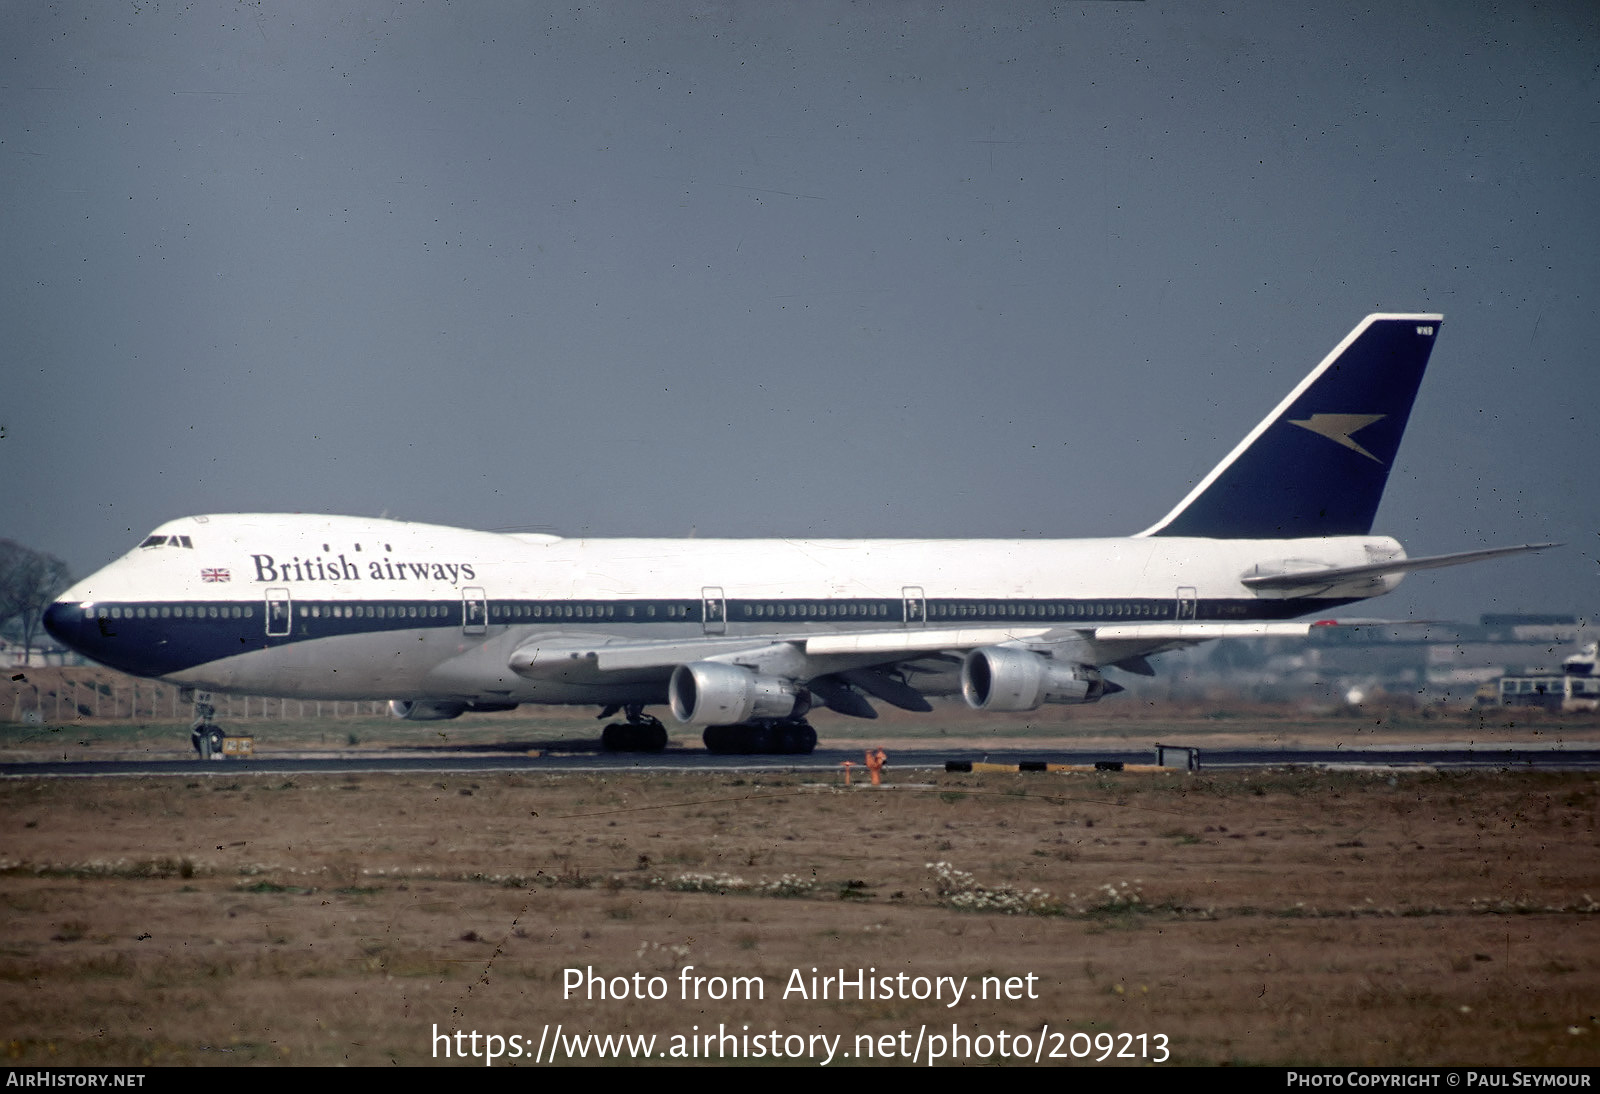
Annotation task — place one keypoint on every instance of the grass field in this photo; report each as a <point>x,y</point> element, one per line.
<point>151,722</point>
<point>1276,917</point>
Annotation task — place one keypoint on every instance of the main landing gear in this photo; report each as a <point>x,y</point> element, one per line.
<point>769,737</point>
<point>789,737</point>
<point>640,733</point>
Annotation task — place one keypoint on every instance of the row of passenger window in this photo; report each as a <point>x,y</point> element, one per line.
<point>850,609</point>
<point>175,611</point>
<point>305,611</point>
<point>594,610</point>
<point>378,611</point>
<point>508,612</point>
<point>1028,609</point>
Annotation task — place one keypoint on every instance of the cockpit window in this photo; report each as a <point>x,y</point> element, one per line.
<point>154,541</point>
<point>167,541</point>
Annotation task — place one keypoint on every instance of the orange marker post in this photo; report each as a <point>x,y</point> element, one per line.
<point>876,758</point>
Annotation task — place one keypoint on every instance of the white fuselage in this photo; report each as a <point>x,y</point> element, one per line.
<point>354,608</point>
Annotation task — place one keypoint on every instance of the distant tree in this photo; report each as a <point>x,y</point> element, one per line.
<point>29,582</point>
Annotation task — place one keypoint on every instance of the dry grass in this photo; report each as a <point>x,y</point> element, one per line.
<point>1264,918</point>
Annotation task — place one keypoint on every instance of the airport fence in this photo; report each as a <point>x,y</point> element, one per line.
<point>63,695</point>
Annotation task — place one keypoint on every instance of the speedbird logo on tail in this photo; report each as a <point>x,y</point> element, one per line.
<point>1338,427</point>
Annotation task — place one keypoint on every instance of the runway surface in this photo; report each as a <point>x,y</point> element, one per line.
<point>552,760</point>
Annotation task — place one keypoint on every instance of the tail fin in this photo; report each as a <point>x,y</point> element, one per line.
<point>1317,465</point>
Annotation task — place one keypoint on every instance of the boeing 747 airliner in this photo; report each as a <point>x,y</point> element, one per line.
<point>744,637</point>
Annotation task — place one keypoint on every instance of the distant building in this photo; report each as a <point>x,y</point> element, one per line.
<point>1430,662</point>
<point>1532,628</point>
<point>1576,687</point>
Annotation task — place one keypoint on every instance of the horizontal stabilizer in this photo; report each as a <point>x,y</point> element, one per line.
<point>1311,580</point>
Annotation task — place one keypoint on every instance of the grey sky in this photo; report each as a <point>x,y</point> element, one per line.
<point>757,269</point>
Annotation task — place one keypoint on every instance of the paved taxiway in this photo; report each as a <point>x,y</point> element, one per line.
<point>1461,756</point>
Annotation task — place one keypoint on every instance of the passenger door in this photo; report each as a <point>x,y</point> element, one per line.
<point>474,611</point>
<point>714,610</point>
<point>280,613</point>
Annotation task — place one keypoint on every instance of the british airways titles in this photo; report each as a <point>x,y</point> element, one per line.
<point>270,571</point>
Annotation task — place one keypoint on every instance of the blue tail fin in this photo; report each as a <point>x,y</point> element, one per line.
<point>1317,465</point>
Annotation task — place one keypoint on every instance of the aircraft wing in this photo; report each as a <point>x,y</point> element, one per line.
<point>556,651</point>
<point>1126,645</point>
<point>877,647</point>
<point>884,664</point>
<point>801,656</point>
<point>1123,645</point>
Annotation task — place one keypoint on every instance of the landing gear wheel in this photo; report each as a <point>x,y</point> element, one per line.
<point>722,740</point>
<point>207,741</point>
<point>640,733</point>
<point>797,740</point>
<point>780,739</point>
<point>641,737</point>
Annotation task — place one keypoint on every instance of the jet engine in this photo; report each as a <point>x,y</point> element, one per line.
<point>438,710</point>
<point>709,693</point>
<point>425,710</point>
<point>1001,678</point>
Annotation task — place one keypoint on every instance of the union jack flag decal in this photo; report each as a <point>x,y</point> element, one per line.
<point>215,575</point>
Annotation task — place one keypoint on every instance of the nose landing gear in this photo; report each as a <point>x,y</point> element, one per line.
<point>204,734</point>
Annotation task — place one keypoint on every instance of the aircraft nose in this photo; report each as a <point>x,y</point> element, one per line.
<point>64,620</point>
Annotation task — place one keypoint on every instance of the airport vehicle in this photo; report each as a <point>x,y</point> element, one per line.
<point>744,637</point>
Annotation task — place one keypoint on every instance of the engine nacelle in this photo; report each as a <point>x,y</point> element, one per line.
<point>709,693</point>
<point>425,710</point>
<point>439,710</point>
<point>1000,678</point>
